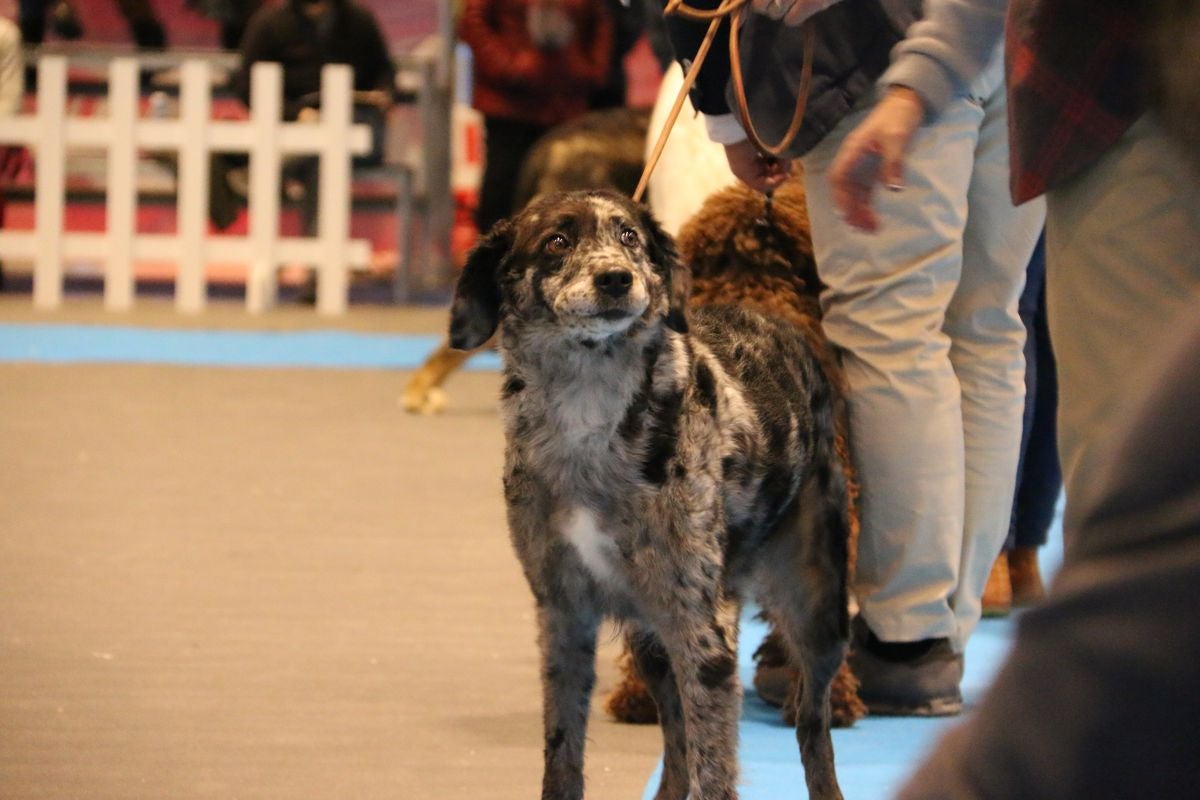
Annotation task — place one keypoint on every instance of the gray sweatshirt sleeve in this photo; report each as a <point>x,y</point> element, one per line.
<point>945,50</point>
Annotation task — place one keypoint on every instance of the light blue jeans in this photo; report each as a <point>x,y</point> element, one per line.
<point>925,312</point>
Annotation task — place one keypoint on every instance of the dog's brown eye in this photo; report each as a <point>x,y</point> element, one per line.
<point>629,237</point>
<point>557,244</point>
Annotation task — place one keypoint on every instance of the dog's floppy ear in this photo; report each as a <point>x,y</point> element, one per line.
<point>475,312</point>
<point>679,278</point>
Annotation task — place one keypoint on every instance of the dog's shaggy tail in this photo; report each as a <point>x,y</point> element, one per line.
<point>826,502</point>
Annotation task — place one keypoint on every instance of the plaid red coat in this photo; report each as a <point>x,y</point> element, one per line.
<point>1074,86</point>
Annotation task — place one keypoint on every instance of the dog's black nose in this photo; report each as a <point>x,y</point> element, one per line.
<point>614,282</point>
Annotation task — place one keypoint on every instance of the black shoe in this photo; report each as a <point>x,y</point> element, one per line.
<point>906,679</point>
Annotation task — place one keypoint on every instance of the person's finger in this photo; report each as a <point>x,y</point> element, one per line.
<point>865,167</point>
<point>893,173</point>
<point>890,161</point>
<point>852,176</point>
<point>861,211</point>
<point>774,9</point>
<point>765,176</point>
<point>776,170</point>
<point>853,203</point>
<point>852,164</point>
<point>840,189</point>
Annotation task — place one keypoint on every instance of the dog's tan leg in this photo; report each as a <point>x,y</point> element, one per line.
<point>700,635</point>
<point>654,667</point>
<point>568,643</point>
<point>423,394</point>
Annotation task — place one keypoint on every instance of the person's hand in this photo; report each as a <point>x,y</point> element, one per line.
<point>792,12</point>
<point>759,172</point>
<point>873,153</point>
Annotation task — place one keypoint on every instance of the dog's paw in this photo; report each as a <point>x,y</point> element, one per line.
<point>428,401</point>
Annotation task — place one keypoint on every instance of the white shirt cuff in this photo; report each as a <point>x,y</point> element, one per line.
<point>724,128</point>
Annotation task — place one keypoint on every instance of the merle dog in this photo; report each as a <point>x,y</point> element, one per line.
<point>660,463</point>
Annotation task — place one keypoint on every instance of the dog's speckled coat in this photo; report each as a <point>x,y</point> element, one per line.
<point>659,464</point>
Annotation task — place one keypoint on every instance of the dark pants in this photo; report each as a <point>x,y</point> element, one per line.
<point>1039,480</point>
<point>308,170</point>
<point>223,204</point>
<point>508,142</point>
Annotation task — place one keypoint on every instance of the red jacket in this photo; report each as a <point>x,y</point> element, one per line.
<point>516,80</point>
<point>1075,85</point>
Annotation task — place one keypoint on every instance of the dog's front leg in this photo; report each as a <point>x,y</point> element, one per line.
<point>701,637</point>
<point>655,668</point>
<point>568,645</point>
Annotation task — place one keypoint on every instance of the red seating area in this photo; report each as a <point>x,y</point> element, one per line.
<point>404,21</point>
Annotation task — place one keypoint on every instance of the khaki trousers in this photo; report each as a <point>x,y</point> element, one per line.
<point>925,312</point>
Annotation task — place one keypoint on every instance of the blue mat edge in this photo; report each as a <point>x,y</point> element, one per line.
<point>49,343</point>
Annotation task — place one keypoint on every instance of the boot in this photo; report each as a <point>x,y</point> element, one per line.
<point>998,593</point>
<point>775,682</point>
<point>906,679</point>
<point>1026,577</point>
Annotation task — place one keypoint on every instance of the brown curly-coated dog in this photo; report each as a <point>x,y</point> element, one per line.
<point>745,250</point>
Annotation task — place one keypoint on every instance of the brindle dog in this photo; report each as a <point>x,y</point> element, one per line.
<point>661,462</point>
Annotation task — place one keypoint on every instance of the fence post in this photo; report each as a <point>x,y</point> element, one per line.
<point>51,183</point>
<point>121,191</point>
<point>194,101</point>
<point>333,209</point>
<point>266,93</point>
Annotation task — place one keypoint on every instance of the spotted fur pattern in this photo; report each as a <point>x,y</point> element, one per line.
<point>660,464</point>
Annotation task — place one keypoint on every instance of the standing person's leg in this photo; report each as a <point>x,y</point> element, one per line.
<point>987,346</point>
<point>1039,481</point>
<point>1042,478</point>
<point>998,592</point>
<point>884,308</point>
<point>1032,297</point>
<point>144,24</point>
<point>234,25</point>
<point>307,171</point>
<point>31,18</point>
<point>1123,266</point>
<point>506,143</point>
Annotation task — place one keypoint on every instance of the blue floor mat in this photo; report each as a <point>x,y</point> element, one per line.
<point>68,344</point>
<point>876,756</point>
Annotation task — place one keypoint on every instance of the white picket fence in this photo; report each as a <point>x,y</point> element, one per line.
<point>194,135</point>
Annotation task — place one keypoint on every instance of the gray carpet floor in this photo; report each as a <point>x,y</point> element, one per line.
<point>237,583</point>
